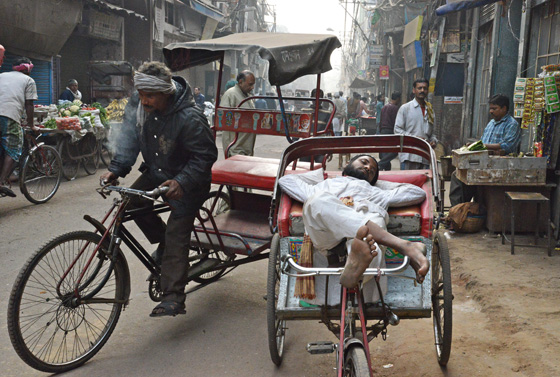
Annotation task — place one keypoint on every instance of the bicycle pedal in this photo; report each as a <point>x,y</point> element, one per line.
<point>317,348</point>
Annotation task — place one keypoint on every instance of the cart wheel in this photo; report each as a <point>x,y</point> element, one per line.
<point>91,163</point>
<point>355,363</point>
<point>222,205</point>
<point>105,154</point>
<point>70,166</point>
<point>442,298</point>
<point>276,327</point>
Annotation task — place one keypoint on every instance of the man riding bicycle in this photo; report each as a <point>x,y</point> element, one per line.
<point>162,121</point>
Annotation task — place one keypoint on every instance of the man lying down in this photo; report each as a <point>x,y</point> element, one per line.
<point>353,208</point>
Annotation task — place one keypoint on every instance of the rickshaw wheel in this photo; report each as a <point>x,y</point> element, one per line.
<point>276,327</point>
<point>355,363</point>
<point>442,298</point>
<point>223,204</point>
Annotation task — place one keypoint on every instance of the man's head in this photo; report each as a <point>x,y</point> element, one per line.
<point>356,95</point>
<point>155,86</point>
<point>246,81</point>
<point>380,98</point>
<point>23,65</point>
<point>314,93</point>
<point>341,93</point>
<point>499,106</point>
<point>396,98</point>
<point>196,90</point>
<point>336,95</point>
<point>72,85</point>
<point>420,89</point>
<point>364,167</point>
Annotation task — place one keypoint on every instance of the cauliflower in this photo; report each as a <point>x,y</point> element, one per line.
<point>74,108</point>
<point>67,113</point>
<point>77,102</point>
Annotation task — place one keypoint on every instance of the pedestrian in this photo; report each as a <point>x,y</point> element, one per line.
<point>17,93</point>
<point>502,135</point>
<point>199,98</point>
<point>378,106</point>
<point>71,92</point>
<point>232,98</point>
<point>339,115</point>
<point>387,127</point>
<point>2,50</point>
<point>163,122</point>
<point>416,118</point>
<point>260,103</point>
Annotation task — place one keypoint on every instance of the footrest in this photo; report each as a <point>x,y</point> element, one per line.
<point>202,267</point>
<point>317,348</point>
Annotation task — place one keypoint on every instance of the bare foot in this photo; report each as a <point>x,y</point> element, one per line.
<point>415,251</point>
<point>361,254</point>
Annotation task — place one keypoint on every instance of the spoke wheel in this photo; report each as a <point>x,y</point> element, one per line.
<point>276,327</point>
<point>442,298</point>
<point>222,204</point>
<point>48,330</point>
<point>105,154</point>
<point>355,363</point>
<point>41,174</point>
<point>91,162</point>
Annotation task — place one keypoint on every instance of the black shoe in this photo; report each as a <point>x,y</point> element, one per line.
<point>5,191</point>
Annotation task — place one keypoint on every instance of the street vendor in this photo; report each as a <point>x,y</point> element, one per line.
<point>501,136</point>
<point>352,209</point>
<point>71,92</point>
<point>162,121</point>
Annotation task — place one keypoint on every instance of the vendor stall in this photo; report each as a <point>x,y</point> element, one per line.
<point>536,105</point>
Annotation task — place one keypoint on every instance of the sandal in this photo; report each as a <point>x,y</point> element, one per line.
<point>168,308</point>
<point>5,191</point>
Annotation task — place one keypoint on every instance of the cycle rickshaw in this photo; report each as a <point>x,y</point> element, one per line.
<point>60,319</point>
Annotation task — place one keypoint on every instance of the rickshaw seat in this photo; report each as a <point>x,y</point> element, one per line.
<point>415,219</point>
<point>252,172</point>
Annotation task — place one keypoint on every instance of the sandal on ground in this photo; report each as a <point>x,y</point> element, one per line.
<point>5,191</point>
<point>169,308</point>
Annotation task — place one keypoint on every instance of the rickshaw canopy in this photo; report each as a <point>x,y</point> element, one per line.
<point>290,56</point>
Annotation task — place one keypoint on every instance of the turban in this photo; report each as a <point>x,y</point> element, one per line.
<point>23,67</point>
<point>151,83</point>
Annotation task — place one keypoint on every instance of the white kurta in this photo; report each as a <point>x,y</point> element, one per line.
<point>410,121</point>
<point>328,221</point>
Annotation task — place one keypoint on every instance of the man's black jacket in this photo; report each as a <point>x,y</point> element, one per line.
<point>177,144</point>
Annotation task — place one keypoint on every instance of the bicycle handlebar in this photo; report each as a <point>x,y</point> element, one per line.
<point>288,261</point>
<point>130,191</point>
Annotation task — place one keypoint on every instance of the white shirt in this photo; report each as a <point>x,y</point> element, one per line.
<point>410,121</point>
<point>367,198</point>
<point>15,89</point>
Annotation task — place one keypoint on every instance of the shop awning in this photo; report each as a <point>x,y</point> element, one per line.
<point>458,5</point>
<point>205,9</point>
<point>361,84</point>
<point>101,70</point>
<point>102,5</point>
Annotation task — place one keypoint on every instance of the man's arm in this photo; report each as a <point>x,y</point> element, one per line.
<point>512,137</point>
<point>29,109</point>
<point>402,194</point>
<point>301,186</point>
<point>400,122</point>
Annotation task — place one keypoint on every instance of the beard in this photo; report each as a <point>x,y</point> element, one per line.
<point>356,173</point>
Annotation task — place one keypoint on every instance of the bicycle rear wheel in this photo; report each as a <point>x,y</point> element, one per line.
<point>41,174</point>
<point>48,330</point>
<point>90,149</point>
<point>70,166</point>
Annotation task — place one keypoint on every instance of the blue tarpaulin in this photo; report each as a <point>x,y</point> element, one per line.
<point>456,6</point>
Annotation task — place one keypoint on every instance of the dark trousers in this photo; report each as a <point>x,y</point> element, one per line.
<point>460,192</point>
<point>386,158</point>
<point>176,237</point>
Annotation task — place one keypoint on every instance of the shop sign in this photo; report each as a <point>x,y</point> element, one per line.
<point>452,100</point>
<point>384,72</point>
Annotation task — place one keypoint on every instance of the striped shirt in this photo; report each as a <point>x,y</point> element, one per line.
<point>505,132</point>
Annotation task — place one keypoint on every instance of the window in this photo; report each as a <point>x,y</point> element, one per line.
<point>169,13</point>
<point>548,50</point>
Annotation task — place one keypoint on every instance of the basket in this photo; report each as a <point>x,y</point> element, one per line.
<point>472,224</point>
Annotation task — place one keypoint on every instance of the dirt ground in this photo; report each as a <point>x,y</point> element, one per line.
<point>506,315</point>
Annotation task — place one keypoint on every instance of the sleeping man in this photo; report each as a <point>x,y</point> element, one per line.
<point>353,208</point>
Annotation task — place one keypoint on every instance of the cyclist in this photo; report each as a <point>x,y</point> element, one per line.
<point>162,121</point>
<point>17,93</point>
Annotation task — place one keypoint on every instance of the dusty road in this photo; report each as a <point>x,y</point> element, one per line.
<point>506,310</point>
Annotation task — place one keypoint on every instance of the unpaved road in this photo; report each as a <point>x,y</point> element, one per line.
<point>506,311</point>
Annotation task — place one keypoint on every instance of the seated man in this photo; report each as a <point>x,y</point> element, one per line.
<point>353,208</point>
<point>501,136</point>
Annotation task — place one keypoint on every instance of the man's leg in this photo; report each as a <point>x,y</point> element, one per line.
<point>460,192</point>
<point>151,224</point>
<point>12,144</point>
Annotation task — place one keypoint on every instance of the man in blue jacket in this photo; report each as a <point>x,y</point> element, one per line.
<point>162,121</point>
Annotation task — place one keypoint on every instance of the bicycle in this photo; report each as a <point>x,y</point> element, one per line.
<point>40,169</point>
<point>68,297</point>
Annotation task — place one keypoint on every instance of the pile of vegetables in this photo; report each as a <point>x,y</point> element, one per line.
<point>102,113</point>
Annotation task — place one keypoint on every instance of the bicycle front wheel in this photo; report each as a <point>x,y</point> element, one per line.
<point>52,331</point>
<point>41,174</point>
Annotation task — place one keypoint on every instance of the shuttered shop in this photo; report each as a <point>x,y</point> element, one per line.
<point>41,73</point>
